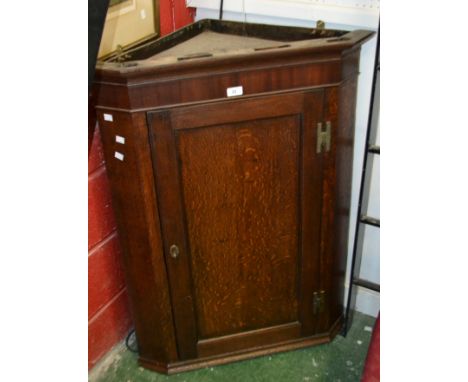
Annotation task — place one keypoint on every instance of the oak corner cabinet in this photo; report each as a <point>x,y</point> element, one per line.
<point>229,151</point>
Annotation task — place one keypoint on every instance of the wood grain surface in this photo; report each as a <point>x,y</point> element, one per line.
<point>240,184</point>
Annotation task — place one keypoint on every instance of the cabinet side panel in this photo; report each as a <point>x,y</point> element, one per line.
<point>329,256</point>
<point>340,110</point>
<point>134,199</point>
<point>350,63</point>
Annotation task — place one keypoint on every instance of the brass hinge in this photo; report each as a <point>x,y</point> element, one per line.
<point>319,302</point>
<point>323,137</point>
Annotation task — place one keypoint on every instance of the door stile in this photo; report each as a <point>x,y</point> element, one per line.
<point>175,244</point>
<point>311,200</point>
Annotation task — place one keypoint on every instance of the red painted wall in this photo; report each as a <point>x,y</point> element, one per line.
<point>174,15</point>
<point>109,318</point>
<point>108,315</point>
<point>371,371</point>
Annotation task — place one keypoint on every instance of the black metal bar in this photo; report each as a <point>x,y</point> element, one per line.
<point>374,149</point>
<point>351,300</point>
<point>366,284</point>
<point>221,10</point>
<point>370,221</point>
<point>97,11</point>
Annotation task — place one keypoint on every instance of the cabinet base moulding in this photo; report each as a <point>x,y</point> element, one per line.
<point>203,362</point>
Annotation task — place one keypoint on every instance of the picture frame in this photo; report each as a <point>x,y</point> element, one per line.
<point>141,15</point>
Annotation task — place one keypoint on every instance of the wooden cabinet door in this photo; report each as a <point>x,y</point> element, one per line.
<point>239,187</point>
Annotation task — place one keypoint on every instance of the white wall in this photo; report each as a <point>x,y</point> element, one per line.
<point>337,14</point>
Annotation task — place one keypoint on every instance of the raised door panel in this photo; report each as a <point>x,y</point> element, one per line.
<point>239,187</point>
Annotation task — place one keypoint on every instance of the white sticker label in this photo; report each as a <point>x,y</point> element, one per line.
<point>119,156</point>
<point>108,117</point>
<point>235,91</point>
<point>120,139</point>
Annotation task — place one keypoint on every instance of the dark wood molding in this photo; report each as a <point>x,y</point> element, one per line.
<point>260,351</point>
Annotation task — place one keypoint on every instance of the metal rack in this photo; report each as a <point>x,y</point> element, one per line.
<point>371,150</point>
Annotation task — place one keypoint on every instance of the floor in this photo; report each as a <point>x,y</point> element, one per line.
<point>340,361</point>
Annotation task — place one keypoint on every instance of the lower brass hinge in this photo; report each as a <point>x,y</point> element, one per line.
<point>319,302</point>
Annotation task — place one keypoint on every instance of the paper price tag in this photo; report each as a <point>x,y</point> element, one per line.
<point>235,91</point>
<point>108,117</point>
<point>119,156</point>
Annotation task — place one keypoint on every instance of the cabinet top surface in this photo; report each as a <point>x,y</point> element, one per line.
<point>208,41</point>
